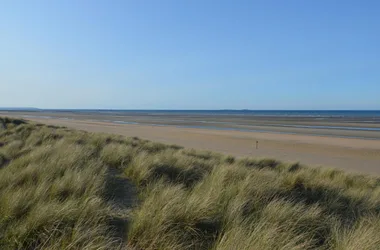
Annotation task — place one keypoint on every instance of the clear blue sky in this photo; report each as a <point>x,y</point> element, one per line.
<point>202,54</point>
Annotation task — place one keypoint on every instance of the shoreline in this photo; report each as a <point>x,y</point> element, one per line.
<point>340,130</point>
<point>357,155</point>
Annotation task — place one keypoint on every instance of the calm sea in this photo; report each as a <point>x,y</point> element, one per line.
<point>274,113</point>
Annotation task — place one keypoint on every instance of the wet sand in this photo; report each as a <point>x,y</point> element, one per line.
<point>305,145</point>
<point>347,127</point>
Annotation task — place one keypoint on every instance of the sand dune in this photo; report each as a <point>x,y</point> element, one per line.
<point>359,155</point>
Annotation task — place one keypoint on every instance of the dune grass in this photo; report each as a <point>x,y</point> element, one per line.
<point>59,189</point>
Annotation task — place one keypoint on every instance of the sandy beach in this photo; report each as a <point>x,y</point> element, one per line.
<point>353,154</point>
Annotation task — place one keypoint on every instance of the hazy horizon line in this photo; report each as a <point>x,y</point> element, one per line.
<point>153,109</point>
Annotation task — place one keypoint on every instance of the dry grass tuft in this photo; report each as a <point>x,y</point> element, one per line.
<point>64,189</point>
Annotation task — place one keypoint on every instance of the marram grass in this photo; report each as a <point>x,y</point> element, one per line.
<point>66,189</point>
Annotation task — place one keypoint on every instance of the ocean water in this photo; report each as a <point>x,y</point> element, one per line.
<point>273,113</point>
<point>339,120</point>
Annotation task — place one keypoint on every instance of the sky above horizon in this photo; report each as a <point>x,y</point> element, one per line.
<point>190,54</point>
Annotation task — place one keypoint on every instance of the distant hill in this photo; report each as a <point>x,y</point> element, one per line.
<point>18,109</point>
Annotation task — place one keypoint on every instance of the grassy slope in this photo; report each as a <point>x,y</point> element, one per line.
<point>55,194</point>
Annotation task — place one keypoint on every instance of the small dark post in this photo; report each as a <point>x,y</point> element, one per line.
<point>257,144</point>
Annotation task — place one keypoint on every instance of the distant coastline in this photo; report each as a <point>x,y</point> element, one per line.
<point>270,113</point>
